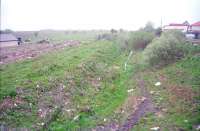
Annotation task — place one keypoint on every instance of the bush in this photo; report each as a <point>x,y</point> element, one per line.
<point>140,39</point>
<point>166,49</point>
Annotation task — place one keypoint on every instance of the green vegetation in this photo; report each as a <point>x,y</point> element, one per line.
<point>171,46</point>
<point>87,86</point>
<point>138,40</point>
<point>58,35</point>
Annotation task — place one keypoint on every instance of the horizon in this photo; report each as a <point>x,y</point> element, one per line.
<point>35,15</point>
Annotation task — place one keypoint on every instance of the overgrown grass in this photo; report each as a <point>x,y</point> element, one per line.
<point>177,99</point>
<point>97,71</point>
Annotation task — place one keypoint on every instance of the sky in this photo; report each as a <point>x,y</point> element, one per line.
<point>95,14</point>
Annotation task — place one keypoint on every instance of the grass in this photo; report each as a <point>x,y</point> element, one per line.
<point>177,98</point>
<point>94,85</point>
<point>96,69</point>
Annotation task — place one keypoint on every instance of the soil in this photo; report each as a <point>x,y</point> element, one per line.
<point>9,103</point>
<point>143,106</point>
<point>29,51</point>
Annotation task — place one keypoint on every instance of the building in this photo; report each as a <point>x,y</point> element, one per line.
<point>7,40</point>
<point>174,26</point>
<point>192,30</point>
<point>195,29</point>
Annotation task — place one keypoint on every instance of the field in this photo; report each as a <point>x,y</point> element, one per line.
<point>84,83</point>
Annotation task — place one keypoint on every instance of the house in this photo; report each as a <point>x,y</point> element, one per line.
<point>175,26</point>
<point>195,29</point>
<point>191,31</point>
<point>7,40</point>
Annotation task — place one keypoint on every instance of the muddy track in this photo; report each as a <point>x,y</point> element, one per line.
<point>145,107</point>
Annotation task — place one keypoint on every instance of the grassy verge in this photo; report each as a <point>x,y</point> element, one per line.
<point>177,99</point>
<point>93,75</point>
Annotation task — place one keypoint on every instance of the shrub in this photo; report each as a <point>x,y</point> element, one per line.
<point>140,39</point>
<point>166,49</point>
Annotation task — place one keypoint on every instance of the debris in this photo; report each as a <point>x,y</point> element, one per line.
<point>143,98</point>
<point>185,121</point>
<point>155,128</point>
<point>41,124</point>
<point>76,117</point>
<point>152,92</point>
<point>129,90</point>
<point>68,110</point>
<point>104,119</point>
<point>30,104</point>
<point>122,111</point>
<point>125,64</point>
<point>37,86</point>
<point>15,104</point>
<point>198,128</point>
<point>157,84</point>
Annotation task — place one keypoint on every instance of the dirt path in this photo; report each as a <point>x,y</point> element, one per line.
<point>145,107</point>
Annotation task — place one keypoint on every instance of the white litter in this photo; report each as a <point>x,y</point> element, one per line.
<point>15,104</point>
<point>129,90</point>
<point>104,119</point>
<point>68,110</point>
<point>185,121</point>
<point>155,128</point>
<point>76,117</point>
<point>37,86</point>
<point>125,64</point>
<point>157,84</point>
<point>151,92</point>
<point>198,128</point>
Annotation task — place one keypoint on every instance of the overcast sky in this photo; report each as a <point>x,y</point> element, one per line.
<point>95,14</point>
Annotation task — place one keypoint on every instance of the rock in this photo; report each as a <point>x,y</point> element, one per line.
<point>155,128</point>
<point>157,84</point>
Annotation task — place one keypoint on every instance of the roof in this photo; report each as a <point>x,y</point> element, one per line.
<point>7,37</point>
<point>196,24</point>
<point>175,24</point>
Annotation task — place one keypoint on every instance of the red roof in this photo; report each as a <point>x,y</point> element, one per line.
<point>175,24</point>
<point>196,24</point>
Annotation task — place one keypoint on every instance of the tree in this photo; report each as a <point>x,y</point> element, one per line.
<point>149,27</point>
<point>113,31</point>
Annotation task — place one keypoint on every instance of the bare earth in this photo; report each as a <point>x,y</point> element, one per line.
<point>28,51</point>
